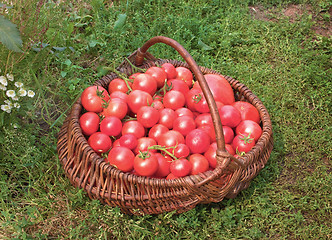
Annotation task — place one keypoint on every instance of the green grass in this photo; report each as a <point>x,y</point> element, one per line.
<point>285,63</point>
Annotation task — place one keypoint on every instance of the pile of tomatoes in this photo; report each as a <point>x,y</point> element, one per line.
<point>157,123</point>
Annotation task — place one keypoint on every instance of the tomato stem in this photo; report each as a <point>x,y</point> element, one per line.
<point>246,139</point>
<point>164,149</point>
<point>135,68</point>
<point>197,98</point>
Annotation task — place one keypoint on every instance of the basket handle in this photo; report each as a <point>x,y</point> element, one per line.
<point>222,154</point>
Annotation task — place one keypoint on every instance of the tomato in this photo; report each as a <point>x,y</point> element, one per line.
<point>178,85</point>
<point>166,117</point>
<point>122,158</point>
<point>198,141</point>
<point>169,70</point>
<point>120,95</point>
<point>220,88</point>
<point>164,163</point>
<point>146,164</point>
<point>157,130</point>
<point>190,98</point>
<point>181,151</point>
<point>148,116</point>
<point>133,127</point>
<point>157,104</point>
<point>146,83</point>
<point>171,176</point>
<point>100,142</point>
<point>248,127</point>
<point>230,149</point>
<point>118,84</point>
<point>184,125</point>
<point>180,167</point>
<point>89,123</point>
<point>137,99</point>
<point>174,100</point>
<point>115,107</point>
<point>116,143</point>
<point>228,134</point>
<point>185,75</point>
<point>209,129</point>
<point>243,143</point>
<point>171,139</point>
<point>158,74</point>
<point>199,163</point>
<point>211,155</point>
<point>229,116</point>
<point>111,126</point>
<point>247,111</point>
<point>203,119</point>
<point>93,98</point>
<point>128,141</point>
<point>184,112</point>
<point>201,104</point>
<point>143,143</point>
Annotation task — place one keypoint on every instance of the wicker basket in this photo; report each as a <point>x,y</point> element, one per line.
<point>142,195</point>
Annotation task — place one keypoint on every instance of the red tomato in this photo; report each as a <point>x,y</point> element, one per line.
<point>146,164</point>
<point>133,127</point>
<point>166,117</point>
<point>203,119</point>
<point>248,127</point>
<point>174,100</point>
<point>116,143</point>
<point>171,139</point>
<point>122,158</point>
<point>184,125</point>
<point>148,116</point>
<point>242,143</point>
<point>158,74</point>
<point>128,141</point>
<point>169,70</point>
<point>198,141</point>
<point>157,130</point>
<point>228,134</point>
<point>118,84</point>
<point>211,155</point>
<point>164,163</point>
<point>230,149</point>
<point>137,99</point>
<point>143,143</point>
<point>111,126</point>
<point>190,98</point>
<point>180,167</point>
<point>157,104</point>
<point>184,112</point>
<point>229,116</point>
<point>171,176</point>
<point>181,151</point>
<point>199,163</point>
<point>115,107</point>
<point>100,142</point>
<point>201,104</point>
<point>146,83</point>
<point>178,85</point>
<point>118,94</point>
<point>93,98</point>
<point>184,74</point>
<point>89,123</point>
<point>220,88</point>
<point>209,129</point>
<point>247,110</point>
<point>134,75</point>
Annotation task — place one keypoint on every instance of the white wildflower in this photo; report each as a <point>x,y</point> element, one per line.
<point>15,98</point>
<point>3,87</point>
<point>15,126</point>
<point>18,84</point>
<point>31,93</point>
<point>22,92</point>
<point>17,105</point>
<point>10,77</point>
<point>3,80</point>
<point>8,102</point>
<point>6,108</point>
<point>11,93</point>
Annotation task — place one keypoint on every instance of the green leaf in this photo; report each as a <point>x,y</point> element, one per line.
<point>203,46</point>
<point>10,35</point>
<point>119,23</point>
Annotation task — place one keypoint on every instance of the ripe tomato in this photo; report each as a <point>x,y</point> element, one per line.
<point>243,143</point>
<point>228,134</point>
<point>174,100</point>
<point>178,85</point>
<point>203,119</point>
<point>115,107</point>
<point>166,117</point>
<point>148,116</point>
<point>111,126</point>
<point>164,163</point>
<point>171,176</point>
<point>146,83</point>
<point>128,141</point>
<point>198,141</point>
<point>158,74</point>
<point>199,163</point>
<point>137,99</point>
<point>190,98</point>
<point>180,167</point>
<point>143,143</point>
<point>184,74</point>
<point>157,104</point>
<point>247,111</point>
<point>93,98</point>
<point>157,130</point>
<point>181,151</point>
<point>170,139</point>
<point>229,116</point>
<point>100,142</point>
<point>230,149</point>
<point>201,104</point>
<point>209,129</point>
<point>146,164</point>
<point>133,127</point>
<point>211,154</point>
<point>220,88</point>
<point>248,127</point>
<point>184,125</point>
<point>169,70</point>
<point>89,123</point>
<point>122,158</point>
<point>120,95</point>
<point>184,112</point>
<point>118,84</point>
